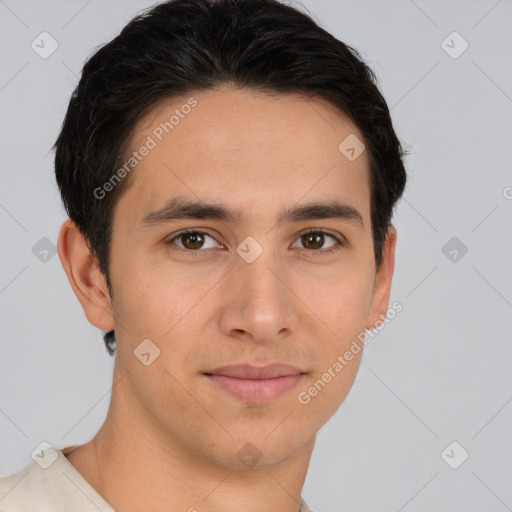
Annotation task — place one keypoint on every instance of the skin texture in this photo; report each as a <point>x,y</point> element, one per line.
<point>171,437</point>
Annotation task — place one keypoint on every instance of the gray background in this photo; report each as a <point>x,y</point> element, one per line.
<point>438,372</point>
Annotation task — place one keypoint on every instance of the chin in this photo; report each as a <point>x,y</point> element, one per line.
<point>250,448</point>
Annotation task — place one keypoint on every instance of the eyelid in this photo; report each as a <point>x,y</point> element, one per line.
<point>170,240</point>
<point>341,241</point>
<point>335,234</point>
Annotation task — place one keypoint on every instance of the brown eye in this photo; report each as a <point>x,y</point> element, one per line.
<point>314,240</point>
<point>191,240</point>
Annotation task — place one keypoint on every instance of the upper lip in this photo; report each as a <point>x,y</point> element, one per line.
<point>245,371</point>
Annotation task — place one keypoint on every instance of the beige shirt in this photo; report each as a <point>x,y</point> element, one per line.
<point>50,483</point>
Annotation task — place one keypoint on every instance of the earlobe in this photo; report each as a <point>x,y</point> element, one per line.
<point>383,279</point>
<point>84,276</point>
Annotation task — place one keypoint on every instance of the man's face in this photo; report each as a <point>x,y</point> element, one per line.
<point>247,291</point>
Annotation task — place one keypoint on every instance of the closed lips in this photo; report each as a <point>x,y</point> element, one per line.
<point>252,372</point>
<point>256,385</point>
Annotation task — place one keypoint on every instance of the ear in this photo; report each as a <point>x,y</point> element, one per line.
<point>383,278</point>
<point>83,273</point>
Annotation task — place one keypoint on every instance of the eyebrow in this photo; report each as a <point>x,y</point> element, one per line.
<point>179,208</point>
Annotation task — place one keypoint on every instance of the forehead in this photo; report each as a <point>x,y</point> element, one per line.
<point>245,148</point>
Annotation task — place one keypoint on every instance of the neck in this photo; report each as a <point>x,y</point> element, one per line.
<point>135,464</point>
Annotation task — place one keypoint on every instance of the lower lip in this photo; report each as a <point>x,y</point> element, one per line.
<point>256,390</point>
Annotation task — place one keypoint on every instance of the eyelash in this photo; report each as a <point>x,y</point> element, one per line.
<point>313,252</point>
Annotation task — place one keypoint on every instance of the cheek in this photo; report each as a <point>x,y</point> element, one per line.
<point>156,301</point>
<point>323,393</point>
<point>339,302</point>
<point>150,298</point>
<point>339,310</point>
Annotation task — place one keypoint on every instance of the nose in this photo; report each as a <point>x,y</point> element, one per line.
<point>260,304</point>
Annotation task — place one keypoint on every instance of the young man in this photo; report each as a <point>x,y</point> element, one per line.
<point>230,171</point>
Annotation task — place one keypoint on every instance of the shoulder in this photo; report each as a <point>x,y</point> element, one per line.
<point>303,506</point>
<point>49,483</point>
<point>15,491</point>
